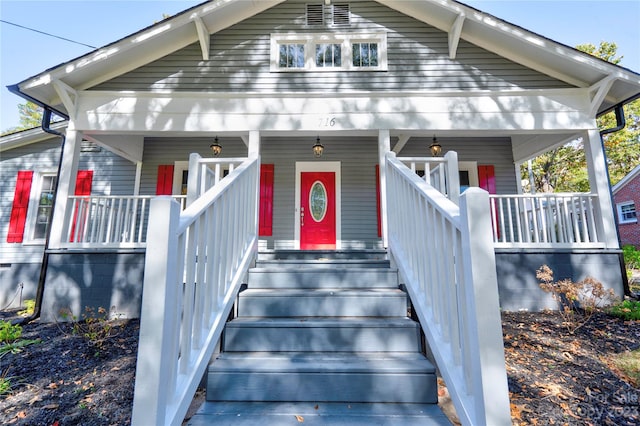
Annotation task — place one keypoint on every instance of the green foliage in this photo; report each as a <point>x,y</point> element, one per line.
<point>95,326</point>
<point>627,309</point>
<point>9,333</point>
<point>30,115</point>
<point>578,301</point>
<point>606,51</point>
<point>631,256</point>
<point>5,386</point>
<point>29,307</point>
<point>10,339</point>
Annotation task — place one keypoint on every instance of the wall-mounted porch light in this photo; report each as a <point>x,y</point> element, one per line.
<point>216,148</point>
<point>435,147</point>
<point>318,148</point>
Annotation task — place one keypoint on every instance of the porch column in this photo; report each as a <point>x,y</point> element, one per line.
<point>384,146</point>
<point>65,186</point>
<point>254,143</point>
<point>599,184</point>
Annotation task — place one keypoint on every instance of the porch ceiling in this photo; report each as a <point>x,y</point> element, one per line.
<point>457,19</point>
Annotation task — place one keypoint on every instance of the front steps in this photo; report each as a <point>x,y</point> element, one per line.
<point>325,335</point>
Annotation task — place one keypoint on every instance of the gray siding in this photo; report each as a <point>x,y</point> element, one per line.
<point>493,151</point>
<point>417,55</point>
<point>19,263</point>
<point>520,290</point>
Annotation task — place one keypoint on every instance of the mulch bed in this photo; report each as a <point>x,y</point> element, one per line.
<point>555,378</point>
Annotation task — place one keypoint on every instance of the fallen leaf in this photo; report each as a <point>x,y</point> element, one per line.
<point>316,407</point>
<point>51,407</point>
<point>300,419</point>
<point>21,414</point>
<point>53,385</point>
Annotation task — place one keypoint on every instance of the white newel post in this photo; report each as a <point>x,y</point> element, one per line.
<point>193,178</point>
<point>384,146</point>
<point>491,390</point>
<point>155,375</point>
<point>65,187</point>
<point>599,184</point>
<point>453,177</point>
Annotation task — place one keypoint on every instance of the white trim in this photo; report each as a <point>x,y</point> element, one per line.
<point>318,166</point>
<point>203,37</point>
<point>472,168</point>
<point>346,40</point>
<point>454,35</point>
<point>32,209</point>
<point>178,168</point>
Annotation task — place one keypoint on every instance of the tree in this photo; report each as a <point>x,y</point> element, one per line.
<point>30,115</point>
<point>564,169</point>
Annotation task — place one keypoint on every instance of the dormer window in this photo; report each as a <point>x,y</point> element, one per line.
<point>329,52</point>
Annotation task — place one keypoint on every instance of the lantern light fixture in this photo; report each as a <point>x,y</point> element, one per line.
<point>216,148</point>
<point>318,148</point>
<point>435,147</point>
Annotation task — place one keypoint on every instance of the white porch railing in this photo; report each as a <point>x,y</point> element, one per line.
<point>445,256</point>
<point>113,221</point>
<point>439,172</point>
<point>557,220</point>
<point>195,263</point>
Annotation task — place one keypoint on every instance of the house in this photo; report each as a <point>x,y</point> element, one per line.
<point>322,114</point>
<point>626,196</point>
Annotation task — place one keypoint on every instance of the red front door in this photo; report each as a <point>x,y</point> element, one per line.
<point>317,210</point>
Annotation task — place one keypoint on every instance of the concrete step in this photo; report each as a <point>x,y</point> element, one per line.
<point>322,254</point>
<point>317,414</point>
<point>298,377</point>
<point>322,303</point>
<point>247,334</point>
<point>324,263</point>
<point>292,277</point>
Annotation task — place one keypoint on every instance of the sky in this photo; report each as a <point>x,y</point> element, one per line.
<point>25,53</point>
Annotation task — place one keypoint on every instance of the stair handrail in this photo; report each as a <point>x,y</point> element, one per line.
<point>446,259</point>
<point>194,264</point>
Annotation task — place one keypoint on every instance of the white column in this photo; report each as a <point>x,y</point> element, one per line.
<point>136,184</point>
<point>65,187</point>
<point>254,143</point>
<point>599,184</point>
<point>384,146</point>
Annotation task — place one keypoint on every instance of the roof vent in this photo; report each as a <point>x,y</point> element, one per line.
<point>315,14</point>
<point>341,14</point>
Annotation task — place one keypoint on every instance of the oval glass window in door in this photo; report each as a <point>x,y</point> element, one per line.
<point>318,201</point>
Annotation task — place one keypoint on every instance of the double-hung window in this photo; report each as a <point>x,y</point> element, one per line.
<point>329,52</point>
<point>40,205</point>
<point>627,212</point>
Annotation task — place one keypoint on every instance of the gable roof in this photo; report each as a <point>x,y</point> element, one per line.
<point>457,19</point>
<point>625,180</point>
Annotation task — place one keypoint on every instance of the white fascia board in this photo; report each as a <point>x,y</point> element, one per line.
<point>141,48</point>
<point>27,137</point>
<point>179,112</point>
<point>513,42</point>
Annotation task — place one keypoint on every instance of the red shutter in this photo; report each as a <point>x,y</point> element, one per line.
<point>18,216</point>
<point>378,200</point>
<point>487,181</point>
<point>487,178</point>
<point>266,201</point>
<point>164,186</point>
<point>84,179</point>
